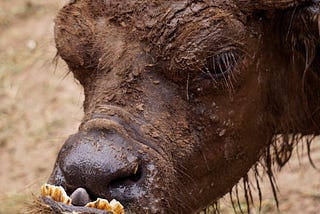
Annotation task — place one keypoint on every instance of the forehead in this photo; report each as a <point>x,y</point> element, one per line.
<point>138,3</point>
<point>140,9</point>
<point>162,21</point>
<point>180,33</point>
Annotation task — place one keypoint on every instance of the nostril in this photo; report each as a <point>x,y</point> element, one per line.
<point>134,177</point>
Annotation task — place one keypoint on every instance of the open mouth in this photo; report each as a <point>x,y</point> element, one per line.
<point>78,201</point>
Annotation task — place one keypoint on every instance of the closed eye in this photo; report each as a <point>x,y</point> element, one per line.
<point>221,65</point>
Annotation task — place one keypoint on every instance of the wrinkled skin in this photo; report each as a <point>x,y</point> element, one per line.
<point>164,129</point>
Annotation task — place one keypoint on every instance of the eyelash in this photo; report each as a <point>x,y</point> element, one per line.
<point>221,65</point>
<point>219,72</point>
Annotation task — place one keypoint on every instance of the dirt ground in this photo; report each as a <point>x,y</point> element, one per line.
<point>40,106</point>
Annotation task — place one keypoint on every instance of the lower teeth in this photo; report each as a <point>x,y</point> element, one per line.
<point>58,194</point>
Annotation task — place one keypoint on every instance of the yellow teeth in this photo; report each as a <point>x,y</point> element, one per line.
<point>58,194</point>
<point>116,207</point>
<point>103,204</point>
<point>100,204</point>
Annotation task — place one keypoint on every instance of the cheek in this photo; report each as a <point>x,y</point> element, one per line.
<point>168,116</point>
<point>227,118</point>
<point>213,118</point>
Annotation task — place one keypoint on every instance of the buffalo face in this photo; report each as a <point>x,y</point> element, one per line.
<point>182,98</point>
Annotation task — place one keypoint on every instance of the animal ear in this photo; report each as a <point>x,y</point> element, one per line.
<point>74,37</point>
<point>269,4</point>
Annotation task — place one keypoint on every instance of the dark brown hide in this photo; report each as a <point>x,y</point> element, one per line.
<point>189,93</point>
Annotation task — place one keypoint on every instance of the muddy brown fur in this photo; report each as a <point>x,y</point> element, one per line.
<point>196,93</point>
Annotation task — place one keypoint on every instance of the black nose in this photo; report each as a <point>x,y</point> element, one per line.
<point>102,162</point>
